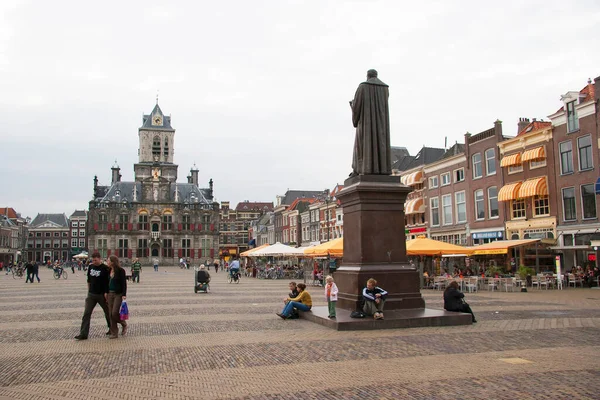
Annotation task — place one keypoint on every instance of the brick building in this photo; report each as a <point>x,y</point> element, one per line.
<point>575,133</point>
<point>235,235</point>
<point>78,232</point>
<point>48,238</point>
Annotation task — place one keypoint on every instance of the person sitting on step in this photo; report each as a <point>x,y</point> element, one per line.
<point>374,299</point>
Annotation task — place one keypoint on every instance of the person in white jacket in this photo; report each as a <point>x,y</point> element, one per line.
<point>331,293</point>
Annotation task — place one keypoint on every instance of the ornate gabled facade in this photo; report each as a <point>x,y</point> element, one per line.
<point>154,217</point>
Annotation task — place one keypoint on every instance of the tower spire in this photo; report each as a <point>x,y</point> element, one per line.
<point>157,96</point>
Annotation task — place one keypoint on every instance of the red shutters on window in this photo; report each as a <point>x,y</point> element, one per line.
<point>192,251</point>
<point>108,253</point>
<point>130,226</point>
<point>180,253</point>
<point>179,227</point>
<point>199,227</point>
<point>109,226</point>
<point>212,253</point>
<point>117,227</point>
<point>192,226</point>
<point>212,227</point>
<point>129,253</point>
<point>96,227</point>
<point>199,253</point>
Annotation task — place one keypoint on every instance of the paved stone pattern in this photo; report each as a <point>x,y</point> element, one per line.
<point>228,344</point>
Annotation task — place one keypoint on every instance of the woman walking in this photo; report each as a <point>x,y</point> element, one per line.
<point>117,292</point>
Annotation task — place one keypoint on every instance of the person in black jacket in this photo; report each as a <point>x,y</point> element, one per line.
<point>454,300</point>
<point>97,281</point>
<point>374,299</point>
<point>117,292</point>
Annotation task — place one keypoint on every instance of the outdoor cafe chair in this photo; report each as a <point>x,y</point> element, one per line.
<point>543,281</point>
<point>535,281</point>
<point>439,283</point>
<point>509,283</point>
<point>574,280</point>
<point>471,284</point>
<point>492,284</point>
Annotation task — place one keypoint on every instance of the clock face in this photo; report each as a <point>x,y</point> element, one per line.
<point>157,121</point>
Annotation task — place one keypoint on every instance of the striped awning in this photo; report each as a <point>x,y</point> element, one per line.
<point>414,206</point>
<point>413,178</point>
<point>509,192</point>
<point>534,187</point>
<point>534,154</point>
<point>513,159</point>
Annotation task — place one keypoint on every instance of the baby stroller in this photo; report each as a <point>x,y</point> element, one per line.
<point>201,281</point>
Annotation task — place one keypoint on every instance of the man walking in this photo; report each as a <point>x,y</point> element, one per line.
<point>36,271</point>
<point>97,279</point>
<point>136,268</point>
<point>29,270</point>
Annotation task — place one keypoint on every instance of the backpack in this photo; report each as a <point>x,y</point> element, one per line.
<point>357,314</point>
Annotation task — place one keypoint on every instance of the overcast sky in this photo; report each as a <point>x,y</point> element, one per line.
<point>258,91</point>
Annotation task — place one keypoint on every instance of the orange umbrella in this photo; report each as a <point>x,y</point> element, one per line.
<point>422,246</point>
<point>334,247</point>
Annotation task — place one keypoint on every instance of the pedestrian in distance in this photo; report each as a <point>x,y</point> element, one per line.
<point>331,294</point>
<point>117,292</point>
<point>29,271</point>
<point>97,281</point>
<point>36,271</point>
<point>136,269</point>
<point>155,262</point>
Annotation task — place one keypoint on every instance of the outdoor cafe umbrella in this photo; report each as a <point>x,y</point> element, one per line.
<point>422,246</point>
<point>247,252</point>
<point>277,249</point>
<point>81,255</point>
<point>334,247</point>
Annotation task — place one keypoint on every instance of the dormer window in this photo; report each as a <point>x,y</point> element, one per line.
<point>572,118</point>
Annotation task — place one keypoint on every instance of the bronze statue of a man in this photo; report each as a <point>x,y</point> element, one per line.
<point>371,118</point>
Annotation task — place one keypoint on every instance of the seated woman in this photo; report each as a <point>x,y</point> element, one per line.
<point>454,300</point>
<point>203,275</point>
<point>302,302</point>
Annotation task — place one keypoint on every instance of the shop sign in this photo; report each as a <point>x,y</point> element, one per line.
<point>418,230</point>
<point>488,235</point>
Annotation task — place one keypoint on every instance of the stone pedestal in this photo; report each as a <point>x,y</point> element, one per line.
<point>375,243</point>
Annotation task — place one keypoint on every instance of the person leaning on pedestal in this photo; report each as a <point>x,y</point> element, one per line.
<point>374,299</point>
<point>454,300</point>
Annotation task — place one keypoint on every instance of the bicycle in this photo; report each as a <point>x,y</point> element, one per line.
<point>234,277</point>
<point>18,272</point>
<point>58,272</point>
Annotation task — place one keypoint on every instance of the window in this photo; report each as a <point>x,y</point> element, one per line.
<point>156,148</point>
<point>82,232</point>
<point>447,209</point>
<point>186,248</point>
<point>433,182</point>
<point>518,208</point>
<point>82,224</point>
<point>73,242</point>
<point>123,247</point>
<point>143,223</point>
<point>186,222</point>
<point>572,118</point>
<point>541,206</point>
<point>477,172</point>
<point>38,234</point>
<point>490,162</point>
<point>435,211</point>
<point>102,247</point>
<point>167,223</point>
<point>493,201</point>
<point>537,164</point>
<point>588,201</point>
<point>445,179</point>
<point>566,157</point>
<point>479,205</point>
<point>515,168</point>
<point>123,221</point>
<point>73,232</point>
<point>459,175</point>
<point>461,207</point>
<point>166,148</point>
<point>168,248</point>
<point>584,145</point>
<point>142,249</point>
<point>56,234</point>
<point>82,243</point>
<point>568,195</point>
<point>74,224</point>
<point>102,222</point>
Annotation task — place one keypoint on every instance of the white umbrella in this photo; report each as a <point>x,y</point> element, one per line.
<point>81,255</point>
<point>277,249</point>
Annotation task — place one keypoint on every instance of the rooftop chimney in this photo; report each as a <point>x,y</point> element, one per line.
<point>523,122</point>
<point>116,175</point>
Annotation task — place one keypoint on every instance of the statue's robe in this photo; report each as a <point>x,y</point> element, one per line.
<point>371,118</point>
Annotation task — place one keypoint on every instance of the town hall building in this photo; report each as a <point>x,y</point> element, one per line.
<point>154,217</point>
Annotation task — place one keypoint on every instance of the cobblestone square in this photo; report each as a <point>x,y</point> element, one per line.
<point>229,344</point>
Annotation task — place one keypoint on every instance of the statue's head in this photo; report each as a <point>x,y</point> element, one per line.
<point>371,74</point>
